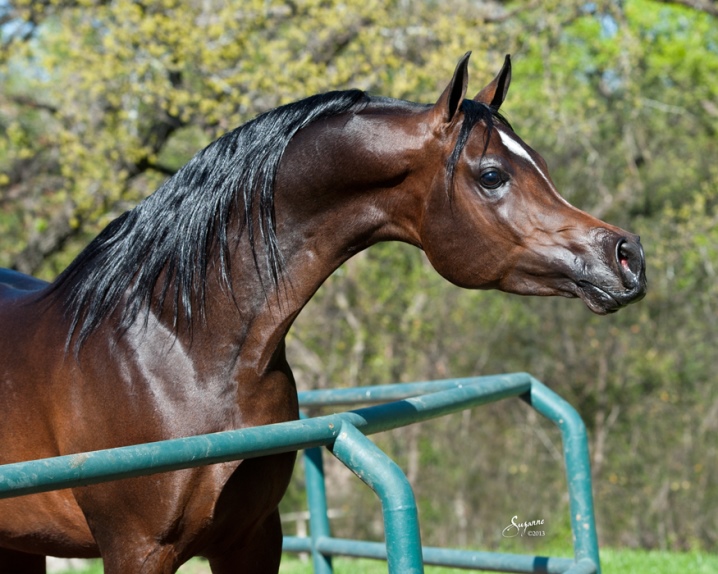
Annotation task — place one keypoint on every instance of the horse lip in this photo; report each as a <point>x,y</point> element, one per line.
<point>604,302</point>
<point>597,299</point>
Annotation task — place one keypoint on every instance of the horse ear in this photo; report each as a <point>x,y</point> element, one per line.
<point>494,94</point>
<point>449,102</point>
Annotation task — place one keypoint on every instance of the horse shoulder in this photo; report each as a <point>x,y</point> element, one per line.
<point>32,339</point>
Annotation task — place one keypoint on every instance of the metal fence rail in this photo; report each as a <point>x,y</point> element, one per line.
<point>344,434</point>
<point>323,546</point>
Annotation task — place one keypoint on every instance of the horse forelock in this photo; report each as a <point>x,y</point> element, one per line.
<point>168,240</point>
<point>473,113</point>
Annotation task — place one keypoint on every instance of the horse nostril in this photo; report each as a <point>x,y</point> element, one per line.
<point>629,255</point>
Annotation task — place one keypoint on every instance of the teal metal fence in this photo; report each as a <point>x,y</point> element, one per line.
<point>345,436</point>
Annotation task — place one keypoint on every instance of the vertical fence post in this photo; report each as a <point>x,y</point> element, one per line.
<point>318,511</point>
<point>578,469</point>
<point>383,476</point>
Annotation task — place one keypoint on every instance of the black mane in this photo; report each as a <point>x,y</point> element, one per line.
<point>168,239</point>
<point>172,233</point>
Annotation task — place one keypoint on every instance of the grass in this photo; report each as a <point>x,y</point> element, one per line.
<point>613,561</point>
<point>657,562</point>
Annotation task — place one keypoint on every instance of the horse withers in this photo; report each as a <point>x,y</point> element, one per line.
<point>172,321</point>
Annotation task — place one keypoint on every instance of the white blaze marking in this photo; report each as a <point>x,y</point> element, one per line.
<point>517,149</point>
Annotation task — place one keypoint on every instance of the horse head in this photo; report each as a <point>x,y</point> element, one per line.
<point>494,219</point>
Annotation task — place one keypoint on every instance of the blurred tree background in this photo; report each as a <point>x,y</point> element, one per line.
<point>102,100</point>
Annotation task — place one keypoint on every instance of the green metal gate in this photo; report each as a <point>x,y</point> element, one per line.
<point>344,434</point>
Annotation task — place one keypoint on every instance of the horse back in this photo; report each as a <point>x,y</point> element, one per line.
<point>13,284</point>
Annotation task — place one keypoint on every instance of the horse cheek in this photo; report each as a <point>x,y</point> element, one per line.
<point>455,242</point>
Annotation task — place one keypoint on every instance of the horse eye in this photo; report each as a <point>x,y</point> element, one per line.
<point>491,178</point>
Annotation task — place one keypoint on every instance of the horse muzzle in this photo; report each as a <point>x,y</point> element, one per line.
<point>622,282</point>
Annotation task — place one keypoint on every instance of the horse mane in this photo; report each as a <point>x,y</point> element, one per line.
<point>168,238</point>
<point>171,234</point>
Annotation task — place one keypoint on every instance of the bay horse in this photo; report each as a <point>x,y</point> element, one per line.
<point>172,321</point>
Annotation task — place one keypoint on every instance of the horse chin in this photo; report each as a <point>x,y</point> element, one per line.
<point>596,299</point>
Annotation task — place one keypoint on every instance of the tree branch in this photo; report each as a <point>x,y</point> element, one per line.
<point>503,16</point>
<point>707,6</point>
<point>28,102</point>
<point>50,241</point>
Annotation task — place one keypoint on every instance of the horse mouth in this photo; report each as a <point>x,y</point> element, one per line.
<point>603,302</point>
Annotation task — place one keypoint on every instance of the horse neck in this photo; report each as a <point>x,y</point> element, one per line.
<point>343,185</point>
<point>348,183</point>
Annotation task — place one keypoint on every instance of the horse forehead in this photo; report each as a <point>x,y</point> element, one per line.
<point>515,146</point>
